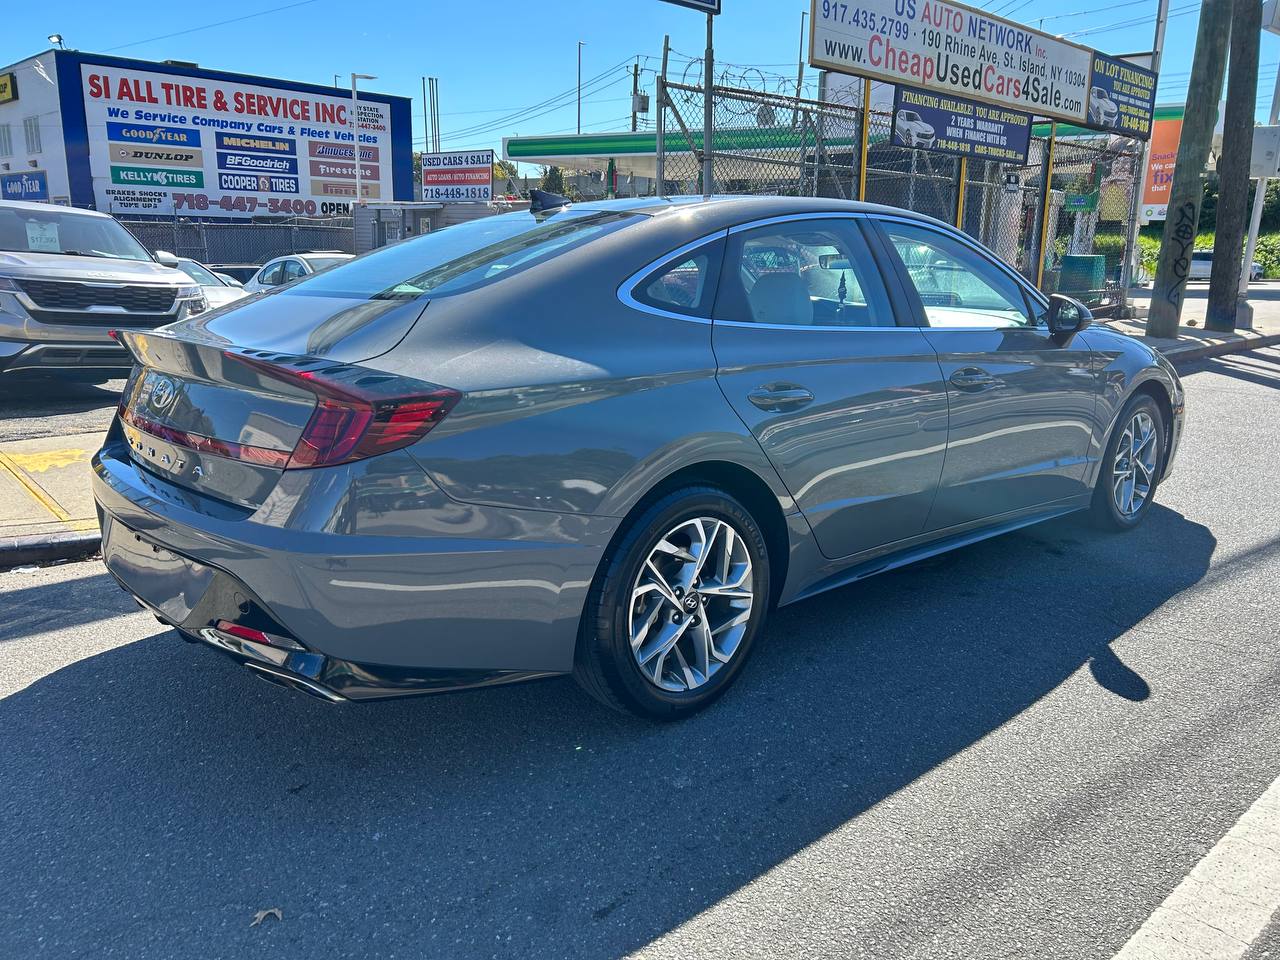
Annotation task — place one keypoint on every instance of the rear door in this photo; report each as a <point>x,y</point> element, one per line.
<point>1022,401</point>
<point>843,393</point>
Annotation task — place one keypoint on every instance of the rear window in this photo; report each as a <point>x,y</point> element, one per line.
<point>1206,257</point>
<point>462,257</point>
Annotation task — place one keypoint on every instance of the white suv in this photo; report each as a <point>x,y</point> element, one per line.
<point>67,279</point>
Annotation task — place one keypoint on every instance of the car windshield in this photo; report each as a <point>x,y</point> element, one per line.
<point>199,274</point>
<point>66,232</point>
<point>324,263</point>
<point>461,257</point>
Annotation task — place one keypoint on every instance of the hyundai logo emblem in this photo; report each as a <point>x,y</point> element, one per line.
<point>162,393</point>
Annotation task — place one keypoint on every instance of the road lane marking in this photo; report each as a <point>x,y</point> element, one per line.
<point>39,494</point>
<point>1222,905</point>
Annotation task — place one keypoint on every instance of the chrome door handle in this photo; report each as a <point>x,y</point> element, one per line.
<point>973,379</point>
<point>778,397</point>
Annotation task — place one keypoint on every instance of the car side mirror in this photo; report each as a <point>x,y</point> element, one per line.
<point>1067,315</point>
<point>165,258</point>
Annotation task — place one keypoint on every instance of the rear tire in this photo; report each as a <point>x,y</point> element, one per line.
<point>1130,471</point>
<point>676,607</point>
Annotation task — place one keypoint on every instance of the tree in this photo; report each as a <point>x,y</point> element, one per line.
<point>552,180</point>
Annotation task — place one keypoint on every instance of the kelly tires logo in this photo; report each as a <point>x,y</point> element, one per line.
<point>146,177</point>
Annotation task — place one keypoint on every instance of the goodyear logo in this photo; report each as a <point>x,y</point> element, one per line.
<point>149,133</point>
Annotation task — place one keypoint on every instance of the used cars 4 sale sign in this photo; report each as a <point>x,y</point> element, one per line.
<point>953,48</point>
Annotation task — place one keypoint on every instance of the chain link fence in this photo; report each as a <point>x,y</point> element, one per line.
<point>243,242</point>
<point>775,144</point>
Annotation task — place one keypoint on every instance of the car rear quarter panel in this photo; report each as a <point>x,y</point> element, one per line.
<point>574,402</point>
<point>1123,364</point>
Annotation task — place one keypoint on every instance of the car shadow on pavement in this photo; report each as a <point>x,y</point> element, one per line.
<point>157,796</point>
<point>37,608</point>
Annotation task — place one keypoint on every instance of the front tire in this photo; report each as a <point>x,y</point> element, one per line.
<point>1130,469</point>
<point>676,607</point>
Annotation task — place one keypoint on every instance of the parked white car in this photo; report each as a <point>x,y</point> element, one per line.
<point>219,290</point>
<point>912,130</point>
<point>286,269</point>
<point>1202,266</point>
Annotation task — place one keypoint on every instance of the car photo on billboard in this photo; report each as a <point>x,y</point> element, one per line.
<point>1102,109</point>
<point>911,130</point>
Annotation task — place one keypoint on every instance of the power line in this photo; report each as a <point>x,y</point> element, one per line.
<point>210,26</point>
<point>1176,12</point>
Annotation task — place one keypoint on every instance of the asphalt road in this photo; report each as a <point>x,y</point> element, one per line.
<point>52,408</point>
<point>1017,750</point>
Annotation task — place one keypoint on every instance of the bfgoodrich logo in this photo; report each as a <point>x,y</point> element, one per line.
<point>142,176</point>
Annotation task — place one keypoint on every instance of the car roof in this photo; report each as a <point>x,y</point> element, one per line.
<point>727,210</point>
<point>46,207</point>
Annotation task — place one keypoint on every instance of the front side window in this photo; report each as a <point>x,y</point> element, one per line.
<point>31,127</point>
<point>806,273</point>
<point>293,269</point>
<point>272,276</point>
<point>958,287</point>
<point>686,285</point>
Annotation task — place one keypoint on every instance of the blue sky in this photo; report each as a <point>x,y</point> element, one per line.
<point>495,61</point>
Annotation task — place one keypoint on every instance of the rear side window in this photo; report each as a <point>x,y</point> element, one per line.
<point>462,257</point>
<point>686,285</point>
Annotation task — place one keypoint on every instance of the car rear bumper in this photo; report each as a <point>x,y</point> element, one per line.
<point>374,616</point>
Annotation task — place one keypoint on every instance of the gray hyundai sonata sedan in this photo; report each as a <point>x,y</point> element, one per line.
<point>605,440</point>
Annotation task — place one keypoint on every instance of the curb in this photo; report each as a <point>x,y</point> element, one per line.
<point>46,548</point>
<point>1219,349</point>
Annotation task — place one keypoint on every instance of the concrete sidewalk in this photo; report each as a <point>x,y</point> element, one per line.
<point>47,512</point>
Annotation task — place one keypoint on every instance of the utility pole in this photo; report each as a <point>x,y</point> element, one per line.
<point>635,93</point>
<point>1179,239</point>
<point>1233,167</point>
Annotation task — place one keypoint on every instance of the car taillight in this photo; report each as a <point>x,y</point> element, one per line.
<point>352,421</point>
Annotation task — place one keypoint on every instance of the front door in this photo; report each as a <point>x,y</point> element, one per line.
<point>1022,401</point>
<point>848,404</point>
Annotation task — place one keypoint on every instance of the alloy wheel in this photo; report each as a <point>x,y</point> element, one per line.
<point>691,604</point>
<point>1133,473</point>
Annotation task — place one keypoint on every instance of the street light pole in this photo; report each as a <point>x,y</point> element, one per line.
<point>1140,171</point>
<point>1260,192</point>
<point>580,43</point>
<point>355,129</point>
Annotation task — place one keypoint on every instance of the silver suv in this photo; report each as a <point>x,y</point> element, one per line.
<point>70,277</point>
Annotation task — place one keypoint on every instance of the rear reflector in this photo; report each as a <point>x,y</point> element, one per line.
<point>195,441</point>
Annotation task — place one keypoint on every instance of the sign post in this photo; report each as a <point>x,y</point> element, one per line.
<point>711,7</point>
